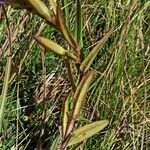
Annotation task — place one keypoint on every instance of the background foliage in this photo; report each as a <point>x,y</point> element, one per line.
<point>120,93</point>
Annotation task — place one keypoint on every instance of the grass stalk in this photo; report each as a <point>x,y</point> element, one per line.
<point>3,97</point>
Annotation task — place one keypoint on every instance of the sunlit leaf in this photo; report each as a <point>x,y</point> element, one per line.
<point>89,59</point>
<point>81,92</point>
<point>87,131</point>
<point>40,7</point>
<point>65,113</point>
<point>79,97</point>
<point>54,47</point>
<point>48,44</point>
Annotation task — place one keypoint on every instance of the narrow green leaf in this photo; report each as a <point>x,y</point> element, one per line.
<point>66,11</point>
<point>89,59</point>
<point>78,24</point>
<point>87,131</point>
<point>81,92</point>
<point>48,44</point>
<point>54,144</point>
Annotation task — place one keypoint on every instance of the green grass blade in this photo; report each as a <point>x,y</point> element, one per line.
<point>78,24</point>
<point>66,11</point>
<point>54,144</point>
<point>3,97</point>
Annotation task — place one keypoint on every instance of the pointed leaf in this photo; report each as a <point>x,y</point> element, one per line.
<point>66,33</point>
<point>89,59</point>
<point>54,47</point>
<point>65,113</point>
<point>87,131</point>
<point>81,92</point>
<point>48,44</point>
<point>40,7</point>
